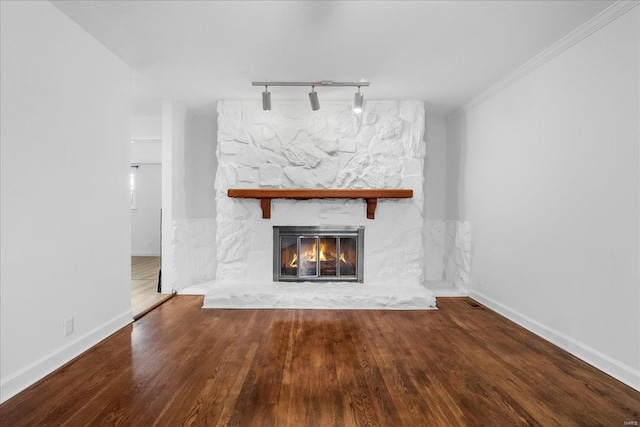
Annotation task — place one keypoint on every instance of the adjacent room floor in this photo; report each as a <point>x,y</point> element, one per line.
<point>144,283</point>
<point>460,365</point>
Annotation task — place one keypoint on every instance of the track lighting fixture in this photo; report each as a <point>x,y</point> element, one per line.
<point>266,99</point>
<point>358,101</point>
<point>313,99</point>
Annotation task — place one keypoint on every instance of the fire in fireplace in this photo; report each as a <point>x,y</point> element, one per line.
<point>318,253</point>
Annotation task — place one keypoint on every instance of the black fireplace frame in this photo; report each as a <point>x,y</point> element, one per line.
<point>318,232</point>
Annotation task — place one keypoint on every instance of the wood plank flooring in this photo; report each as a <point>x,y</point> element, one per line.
<point>458,366</point>
<point>144,283</point>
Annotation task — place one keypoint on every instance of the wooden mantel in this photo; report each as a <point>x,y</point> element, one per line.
<point>371,195</point>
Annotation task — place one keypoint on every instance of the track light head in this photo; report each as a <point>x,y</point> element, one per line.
<point>266,99</point>
<point>358,101</point>
<point>313,99</point>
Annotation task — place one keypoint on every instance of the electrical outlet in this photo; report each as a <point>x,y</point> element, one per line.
<point>68,327</point>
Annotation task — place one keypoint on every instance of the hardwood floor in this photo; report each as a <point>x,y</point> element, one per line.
<point>182,365</point>
<point>144,283</point>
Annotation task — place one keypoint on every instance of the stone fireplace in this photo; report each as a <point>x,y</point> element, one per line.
<point>292,147</point>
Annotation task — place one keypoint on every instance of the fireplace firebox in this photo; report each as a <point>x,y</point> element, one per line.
<point>318,253</point>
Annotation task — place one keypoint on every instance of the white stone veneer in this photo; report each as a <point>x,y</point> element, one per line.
<point>293,147</point>
<point>194,251</point>
<point>447,256</point>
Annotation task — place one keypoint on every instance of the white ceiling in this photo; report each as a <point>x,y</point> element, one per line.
<point>441,52</point>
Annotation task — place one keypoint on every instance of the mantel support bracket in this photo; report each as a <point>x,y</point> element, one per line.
<point>371,208</point>
<point>265,204</point>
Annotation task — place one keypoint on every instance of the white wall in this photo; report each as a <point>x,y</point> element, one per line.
<point>189,167</point>
<point>446,241</point>
<point>551,187</point>
<point>435,166</point>
<point>194,232</point>
<point>201,162</point>
<point>146,152</point>
<point>146,128</point>
<point>434,186</point>
<point>65,218</point>
<point>145,219</point>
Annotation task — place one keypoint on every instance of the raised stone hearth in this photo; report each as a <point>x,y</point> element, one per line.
<point>292,147</point>
<point>316,296</point>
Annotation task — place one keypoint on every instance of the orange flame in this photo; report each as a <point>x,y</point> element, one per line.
<point>312,254</point>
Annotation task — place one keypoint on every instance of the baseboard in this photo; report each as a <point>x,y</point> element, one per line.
<point>145,254</point>
<point>15,383</point>
<point>449,293</point>
<point>442,288</point>
<point>194,290</point>
<point>595,358</point>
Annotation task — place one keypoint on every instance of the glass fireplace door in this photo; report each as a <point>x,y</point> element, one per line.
<point>318,254</point>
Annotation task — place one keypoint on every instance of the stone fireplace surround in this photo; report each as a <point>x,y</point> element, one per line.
<point>293,147</point>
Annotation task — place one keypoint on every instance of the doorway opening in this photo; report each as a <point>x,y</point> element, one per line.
<point>144,283</point>
<point>145,201</point>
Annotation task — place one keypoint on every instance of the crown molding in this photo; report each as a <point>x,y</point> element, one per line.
<point>608,15</point>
